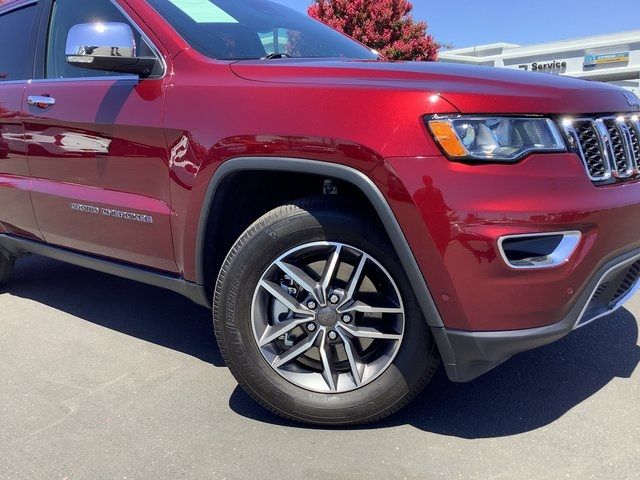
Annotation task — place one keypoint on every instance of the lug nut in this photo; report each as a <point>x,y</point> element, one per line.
<point>346,318</point>
<point>334,298</point>
<point>312,305</point>
<point>333,335</point>
<point>311,327</point>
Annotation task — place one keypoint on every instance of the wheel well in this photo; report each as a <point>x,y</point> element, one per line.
<point>243,197</point>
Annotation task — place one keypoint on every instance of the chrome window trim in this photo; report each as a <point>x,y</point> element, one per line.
<point>619,303</point>
<point>89,79</point>
<point>561,255</point>
<point>156,51</point>
<point>15,82</point>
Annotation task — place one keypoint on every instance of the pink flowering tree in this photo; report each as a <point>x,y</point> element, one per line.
<point>384,25</point>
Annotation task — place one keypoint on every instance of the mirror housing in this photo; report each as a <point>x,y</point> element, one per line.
<point>108,46</point>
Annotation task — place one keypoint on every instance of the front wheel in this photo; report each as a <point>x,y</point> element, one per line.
<point>317,320</point>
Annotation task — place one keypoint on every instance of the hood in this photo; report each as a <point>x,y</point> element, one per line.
<point>470,89</point>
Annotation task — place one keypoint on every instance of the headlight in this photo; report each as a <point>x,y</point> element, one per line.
<point>495,139</point>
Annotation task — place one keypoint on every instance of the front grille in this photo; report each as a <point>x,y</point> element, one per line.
<point>611,291</point>
<point>608,146</point>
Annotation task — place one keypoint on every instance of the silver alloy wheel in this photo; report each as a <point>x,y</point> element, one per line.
<point>328,317</point>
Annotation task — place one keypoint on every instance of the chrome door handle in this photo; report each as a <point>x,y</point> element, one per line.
<point>41,101</point>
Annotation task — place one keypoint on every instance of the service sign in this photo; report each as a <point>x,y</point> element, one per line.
<point>592,60</point>
<point>545,67</point>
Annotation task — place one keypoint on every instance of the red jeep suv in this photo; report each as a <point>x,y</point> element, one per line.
<point>350,221</point>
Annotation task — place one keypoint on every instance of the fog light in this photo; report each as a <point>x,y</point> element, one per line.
<point>538,250</point>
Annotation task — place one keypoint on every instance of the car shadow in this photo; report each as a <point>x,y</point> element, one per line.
<point>150,314</point>
<point>529,391</point>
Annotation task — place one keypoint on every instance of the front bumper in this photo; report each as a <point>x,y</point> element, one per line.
<point>454,215</point>
<point>468,355</point>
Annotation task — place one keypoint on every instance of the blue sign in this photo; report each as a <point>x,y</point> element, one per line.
<point>592,60</point>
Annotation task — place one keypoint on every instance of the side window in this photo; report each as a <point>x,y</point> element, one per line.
<point>67,13</point>
<point>17,31</point>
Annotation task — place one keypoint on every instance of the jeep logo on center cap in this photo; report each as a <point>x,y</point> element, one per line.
<point>327,317</point>
<point>632,100</point>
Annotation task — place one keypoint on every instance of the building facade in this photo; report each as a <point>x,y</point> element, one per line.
<point>611,58</point>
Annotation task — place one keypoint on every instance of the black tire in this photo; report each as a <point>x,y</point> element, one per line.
<point>269,237</point>
<point>6,267</point>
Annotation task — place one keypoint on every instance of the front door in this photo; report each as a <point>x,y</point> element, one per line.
<point>97,150</point>
<point>16,68</point>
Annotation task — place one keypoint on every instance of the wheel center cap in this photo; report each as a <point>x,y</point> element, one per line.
<point>327,317</point>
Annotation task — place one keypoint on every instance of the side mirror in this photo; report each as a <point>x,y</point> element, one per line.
<point>107,46</point>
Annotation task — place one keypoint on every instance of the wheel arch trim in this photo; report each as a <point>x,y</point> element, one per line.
<point>341,172</point>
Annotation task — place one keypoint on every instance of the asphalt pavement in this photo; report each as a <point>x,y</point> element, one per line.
<point>103,378</point>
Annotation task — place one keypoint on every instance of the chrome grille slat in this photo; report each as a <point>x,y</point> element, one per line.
<point>616,146</point>
<point>619,147</point>
<point>608,146</point>
<point>634,134</point>
<point>590,145</point>
<point>628,144</point>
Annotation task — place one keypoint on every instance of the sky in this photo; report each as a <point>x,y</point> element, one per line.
<point>466,23</point>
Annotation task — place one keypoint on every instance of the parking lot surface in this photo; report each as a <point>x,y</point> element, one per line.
<point>103,378</point>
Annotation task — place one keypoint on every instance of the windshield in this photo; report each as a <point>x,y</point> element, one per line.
<point>255,29</point>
